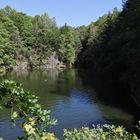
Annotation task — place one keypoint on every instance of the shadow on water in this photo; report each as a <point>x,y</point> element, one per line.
<point>112,93</point>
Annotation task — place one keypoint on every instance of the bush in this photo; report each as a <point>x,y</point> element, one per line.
<point>106,132</point>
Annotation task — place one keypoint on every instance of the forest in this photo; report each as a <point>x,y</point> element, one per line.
<point>107,47</point>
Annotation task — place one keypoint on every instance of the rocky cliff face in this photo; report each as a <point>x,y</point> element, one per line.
<point>51,62</point>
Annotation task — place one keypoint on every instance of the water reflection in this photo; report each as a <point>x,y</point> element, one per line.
<point>72,99</point>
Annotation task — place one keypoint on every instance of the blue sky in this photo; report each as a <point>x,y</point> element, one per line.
<point>72,12</point>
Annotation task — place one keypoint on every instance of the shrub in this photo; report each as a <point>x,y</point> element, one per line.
<point>106,132</point>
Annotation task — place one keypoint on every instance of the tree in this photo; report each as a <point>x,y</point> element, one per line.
<point>6,49</point>
<point>67,49</point>
<point>25,27</point>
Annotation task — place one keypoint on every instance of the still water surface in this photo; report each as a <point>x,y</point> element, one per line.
<point>72,102</point>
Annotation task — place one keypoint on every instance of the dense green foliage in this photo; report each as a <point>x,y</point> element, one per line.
<point>106,132</point>
<point>36,121</point>
<point>113,47</point>
<point>33,40</point>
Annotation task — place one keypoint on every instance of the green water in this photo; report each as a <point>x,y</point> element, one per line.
<point>72,100</point>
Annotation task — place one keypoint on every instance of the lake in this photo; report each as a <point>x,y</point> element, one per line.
<point>75,101</point>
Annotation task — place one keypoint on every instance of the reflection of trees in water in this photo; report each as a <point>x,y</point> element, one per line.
<point>26,74</point>
<point>109,96</point>
<point>111,93</point>
<point>49,85</point>
<point>52,73</point>
<point>23,73</point>
<point>65,82</point>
